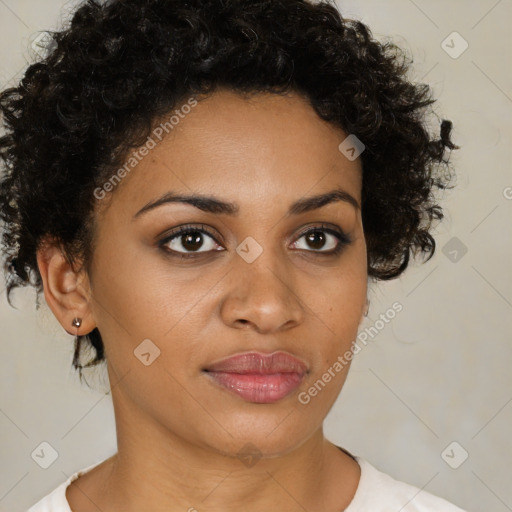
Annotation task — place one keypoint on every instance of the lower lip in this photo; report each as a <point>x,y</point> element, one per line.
<point>258,388</point>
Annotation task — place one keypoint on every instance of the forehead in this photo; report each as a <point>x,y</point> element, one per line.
<point>241,149</point>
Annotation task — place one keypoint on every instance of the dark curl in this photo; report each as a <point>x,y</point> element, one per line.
<point>122,64</point>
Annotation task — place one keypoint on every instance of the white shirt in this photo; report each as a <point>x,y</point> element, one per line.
<point>376,492</point>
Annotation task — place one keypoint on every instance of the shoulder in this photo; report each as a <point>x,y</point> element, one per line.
<point>378,491</point>
<point>56,501</point>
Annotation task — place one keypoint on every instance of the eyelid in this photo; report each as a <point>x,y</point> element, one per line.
<point>184,229</point>
<point>328,228</point>
<point>341,235</point>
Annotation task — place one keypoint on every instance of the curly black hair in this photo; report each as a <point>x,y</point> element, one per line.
<point>122,64</point>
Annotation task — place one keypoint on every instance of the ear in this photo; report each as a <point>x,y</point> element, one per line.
<point>67,293</point>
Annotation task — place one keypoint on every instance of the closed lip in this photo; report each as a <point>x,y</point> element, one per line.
<point>258,363</point>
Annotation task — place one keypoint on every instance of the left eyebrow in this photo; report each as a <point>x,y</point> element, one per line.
<point>215,205</point>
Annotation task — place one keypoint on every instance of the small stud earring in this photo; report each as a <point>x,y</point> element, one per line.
<point>76,322</point>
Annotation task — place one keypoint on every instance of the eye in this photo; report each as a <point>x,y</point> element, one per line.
<point>323,240</point>
<point>190,240</point>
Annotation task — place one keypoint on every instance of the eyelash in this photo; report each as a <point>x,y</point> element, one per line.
<point>343,240</point>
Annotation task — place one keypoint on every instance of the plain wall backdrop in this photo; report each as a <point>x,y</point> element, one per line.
<point>429,399</point>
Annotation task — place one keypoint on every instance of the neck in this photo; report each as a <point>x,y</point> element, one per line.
<point>158,470</point>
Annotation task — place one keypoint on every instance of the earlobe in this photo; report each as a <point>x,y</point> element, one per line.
<point>364,313</point>
<point>66,291</point>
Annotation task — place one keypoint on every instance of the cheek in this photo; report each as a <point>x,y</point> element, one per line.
<point>143,316</point>
<point>137,297</point>
<point>338,308</point>
<point>127,304</point>
<point>340,298</point>
<point>345,303</point>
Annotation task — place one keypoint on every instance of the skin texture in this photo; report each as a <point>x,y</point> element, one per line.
<point>178,432</point>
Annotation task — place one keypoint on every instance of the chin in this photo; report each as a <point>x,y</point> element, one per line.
<point>262,437</point>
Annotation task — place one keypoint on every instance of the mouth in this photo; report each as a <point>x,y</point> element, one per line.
<point>258,378</point>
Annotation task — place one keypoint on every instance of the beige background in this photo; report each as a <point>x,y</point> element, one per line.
<point>438,373</point>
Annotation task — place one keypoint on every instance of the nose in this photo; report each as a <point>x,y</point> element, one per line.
<point>262,295</point>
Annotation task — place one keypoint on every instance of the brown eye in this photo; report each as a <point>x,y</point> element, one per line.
<point>316,239</point>
<point>323,240</point>
<point>190,240</point>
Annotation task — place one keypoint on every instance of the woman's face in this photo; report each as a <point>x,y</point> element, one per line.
<point>259,279</point>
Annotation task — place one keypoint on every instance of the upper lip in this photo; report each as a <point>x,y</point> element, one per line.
<point>259,363</point>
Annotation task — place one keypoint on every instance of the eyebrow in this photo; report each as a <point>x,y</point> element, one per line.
<point>214,205</point>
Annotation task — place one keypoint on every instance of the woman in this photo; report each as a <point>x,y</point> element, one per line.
<point>203,190</point>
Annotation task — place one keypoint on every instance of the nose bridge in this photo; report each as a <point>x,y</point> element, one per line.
<point>261,265</point>
<point>263,291</point>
